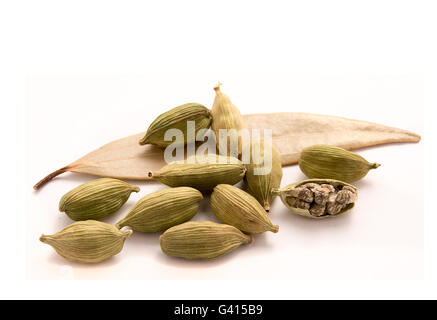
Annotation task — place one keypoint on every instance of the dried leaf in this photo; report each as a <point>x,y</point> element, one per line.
<point>292,131</point>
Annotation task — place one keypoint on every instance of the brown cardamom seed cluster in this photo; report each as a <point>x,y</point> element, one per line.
<point>318,198</point>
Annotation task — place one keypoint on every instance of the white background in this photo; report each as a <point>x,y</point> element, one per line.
<point>129,40</point>
<point>381,239</point>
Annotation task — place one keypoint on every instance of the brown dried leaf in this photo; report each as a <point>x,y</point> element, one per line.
<point>292,131</point>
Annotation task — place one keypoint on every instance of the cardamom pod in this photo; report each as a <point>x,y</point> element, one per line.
<point>329,162</point>
<point>261,185</point>
<point>201,240</point>
<point>163,209</point>
<point>201,172</point>
<point>87,241</point>
<point>237,208</point>
<point>318,198</point>
<point>177,118</point>
<point>96,199</point>
<point>226,116</point>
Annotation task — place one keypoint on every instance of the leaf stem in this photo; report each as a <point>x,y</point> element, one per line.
<point>51,176</point>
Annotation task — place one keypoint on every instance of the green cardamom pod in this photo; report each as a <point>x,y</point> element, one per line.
<point>163,209</point>
<point>201,172</point>
<point>237,208</point>
<point>201,240</point>
<point>87,241</point>
<point>318,198</point>
<point>96,199</point>
<point>329,162</point>
<point>177,118</point>
<point>261,185</point>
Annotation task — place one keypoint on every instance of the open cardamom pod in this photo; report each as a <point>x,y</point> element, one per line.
<point>177,118</point>
<point>226,116</point>
<point>201,172</point>
<point>329,162</point>
<point>87,241</point>
<point>260,184</point>
<point>202,240</point>
<point>318,198</point>
<point>96,199</point>
<point>237,208</point>
<point>163,209</point>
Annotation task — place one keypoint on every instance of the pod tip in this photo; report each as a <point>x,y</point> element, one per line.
<point>276,192</point>
<point>217,86</point>
<point>251,240</point>
<point>143,141</point>
<point>266,206</point>
<point>127,233</point>
<point>275,229</point>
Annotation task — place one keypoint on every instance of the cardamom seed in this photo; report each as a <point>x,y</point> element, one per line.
<point>163,209</point>
<point>87,241</point>
<point>318,198</point>
<point>96,199</point>
<point>237,208</point>
<point>201,172</point>
<point>226,116</point>
<point>261,185</point>
<point>201,240</point>
<point>329,162</point>
<point>177,118</point>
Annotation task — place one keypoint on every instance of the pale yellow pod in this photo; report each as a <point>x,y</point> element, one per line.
<point>225,115</point>
<point>87,241</point>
